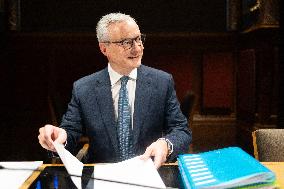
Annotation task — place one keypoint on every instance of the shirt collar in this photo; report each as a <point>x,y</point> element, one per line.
<point>114,76</point>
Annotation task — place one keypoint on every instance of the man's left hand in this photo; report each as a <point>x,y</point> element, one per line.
<point>159,150</point>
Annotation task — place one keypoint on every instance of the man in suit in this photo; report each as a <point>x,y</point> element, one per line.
<point>157,128</point>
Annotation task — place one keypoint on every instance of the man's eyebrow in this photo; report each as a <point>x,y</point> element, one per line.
<point>130,37</point>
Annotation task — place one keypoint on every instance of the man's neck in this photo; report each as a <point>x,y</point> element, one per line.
<point>121,71</point>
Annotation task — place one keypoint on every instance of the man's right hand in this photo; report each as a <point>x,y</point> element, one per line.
<point>49,134</point>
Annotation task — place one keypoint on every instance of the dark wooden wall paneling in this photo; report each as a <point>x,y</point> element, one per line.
<point>257,84</point>
<point>183,55</point>
<point>246,85</point>
<point>259,63</point>
<point>218,83</point>
<point>158,15</point>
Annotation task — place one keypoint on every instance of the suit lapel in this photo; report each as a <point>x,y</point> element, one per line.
<point>105,102</point>
<point>142,98</point>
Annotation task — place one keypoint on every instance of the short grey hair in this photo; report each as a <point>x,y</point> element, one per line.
<point>105,21</point>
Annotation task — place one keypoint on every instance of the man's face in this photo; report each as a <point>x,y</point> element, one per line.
<point>123,59</point>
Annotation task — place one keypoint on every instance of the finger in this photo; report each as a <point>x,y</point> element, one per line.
<point>158,160</point>
<point>147,153</point>
<point>160,151</point>
<point>61,137</point>
<point>43,143</point>
<point>48,132</point>
<point>42,139</point>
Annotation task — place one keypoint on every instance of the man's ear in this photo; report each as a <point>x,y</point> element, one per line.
<point>103,48</point>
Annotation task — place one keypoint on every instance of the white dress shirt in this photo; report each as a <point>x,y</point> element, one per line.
<point>131,88</point>
<point>115,87</point>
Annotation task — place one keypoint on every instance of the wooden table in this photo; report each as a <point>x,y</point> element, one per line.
<point>276,167</point>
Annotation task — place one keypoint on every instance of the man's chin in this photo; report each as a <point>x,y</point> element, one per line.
<point>136,64</point>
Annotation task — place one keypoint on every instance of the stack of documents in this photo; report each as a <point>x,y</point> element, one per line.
<point>224,168</point>
<point>130,174</point>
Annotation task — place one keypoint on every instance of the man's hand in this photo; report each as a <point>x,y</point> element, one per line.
<point>159,150</point>
<point>48,134</point>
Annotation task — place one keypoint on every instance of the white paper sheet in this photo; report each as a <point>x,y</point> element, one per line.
<point>71,163</point>
<point>11,175</point>
<point>134,171</point>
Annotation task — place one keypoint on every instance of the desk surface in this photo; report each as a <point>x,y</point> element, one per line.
<point>278,169</point>
<point>168,174</point>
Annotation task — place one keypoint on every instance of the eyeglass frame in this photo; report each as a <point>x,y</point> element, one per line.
<point>120,43</point>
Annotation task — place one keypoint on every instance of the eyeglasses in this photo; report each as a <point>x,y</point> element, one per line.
<point>128,43</point>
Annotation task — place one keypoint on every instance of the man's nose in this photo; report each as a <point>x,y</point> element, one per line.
<point>136,46</point>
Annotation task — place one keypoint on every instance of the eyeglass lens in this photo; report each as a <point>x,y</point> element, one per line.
<point>128,43</point>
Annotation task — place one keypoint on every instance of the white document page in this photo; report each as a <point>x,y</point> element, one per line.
<point>135,173</point>
<point>71,163</point>
<point>132,174</point>
<point>14,174</point>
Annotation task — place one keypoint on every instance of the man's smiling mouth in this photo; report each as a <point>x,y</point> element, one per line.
<point>133,57</point>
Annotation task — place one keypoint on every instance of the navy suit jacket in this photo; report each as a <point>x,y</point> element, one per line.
<point>156,114</point>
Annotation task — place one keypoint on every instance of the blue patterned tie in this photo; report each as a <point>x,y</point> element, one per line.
<point>124,122</point>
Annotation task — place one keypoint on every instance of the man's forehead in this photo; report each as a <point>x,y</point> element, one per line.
<point>124,29</point>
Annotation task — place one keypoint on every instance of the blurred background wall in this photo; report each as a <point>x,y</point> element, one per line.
<point>227,52</point>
